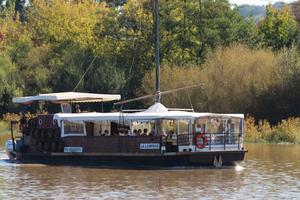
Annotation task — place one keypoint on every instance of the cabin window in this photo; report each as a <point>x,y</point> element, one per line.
<point>201,125</point>
<point>183,126</point>
<point>102,128</point>
<point>73,129</point>
<point>66,108</point>
<point>142,128</point>
<point>219,125</point>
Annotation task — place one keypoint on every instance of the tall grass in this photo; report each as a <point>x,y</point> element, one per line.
<point>287,131</point>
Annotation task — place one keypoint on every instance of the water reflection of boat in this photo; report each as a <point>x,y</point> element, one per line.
<point>167,137</point>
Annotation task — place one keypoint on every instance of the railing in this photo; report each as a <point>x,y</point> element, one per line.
<point>220,140</point>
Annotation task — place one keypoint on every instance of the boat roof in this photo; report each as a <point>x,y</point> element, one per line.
<point>149,114</point>
<point>61,97</point>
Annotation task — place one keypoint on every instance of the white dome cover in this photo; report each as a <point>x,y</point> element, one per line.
<point>156,108</point>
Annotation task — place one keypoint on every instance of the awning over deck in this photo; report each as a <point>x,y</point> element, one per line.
<point>155,112</point>
<point>68,97</point>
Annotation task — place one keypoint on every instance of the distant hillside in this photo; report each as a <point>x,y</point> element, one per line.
<point>256,12</point>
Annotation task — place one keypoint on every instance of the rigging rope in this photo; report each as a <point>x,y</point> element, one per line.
<point>91,64</point>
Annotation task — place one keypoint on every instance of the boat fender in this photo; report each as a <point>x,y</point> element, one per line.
<point>200,141</point>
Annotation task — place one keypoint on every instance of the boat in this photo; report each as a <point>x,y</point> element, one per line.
<point>154,137</point>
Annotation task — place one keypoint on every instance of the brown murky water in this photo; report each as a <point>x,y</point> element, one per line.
<point>269,171</point>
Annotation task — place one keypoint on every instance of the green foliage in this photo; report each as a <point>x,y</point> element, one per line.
<point>233,79</point>
<point>191,28</point>
<point>279,28</point>
<point>285,131</point>
<point>202,41</point>
<point>281,100</point>
<point>172,77</point>
<point>252,134</point>
<point>8,82</point>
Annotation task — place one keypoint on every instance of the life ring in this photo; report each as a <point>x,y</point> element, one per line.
<point>200,141</point>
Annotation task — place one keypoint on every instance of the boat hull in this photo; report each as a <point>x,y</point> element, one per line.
<point>190,159</point>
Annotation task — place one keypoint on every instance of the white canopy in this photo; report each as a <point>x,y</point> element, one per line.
<point>156,111</point>
<point>68,96</point>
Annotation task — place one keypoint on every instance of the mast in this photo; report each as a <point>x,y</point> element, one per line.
<point>157,64</point>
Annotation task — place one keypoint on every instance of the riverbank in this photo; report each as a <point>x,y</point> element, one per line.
<point>4,132</point>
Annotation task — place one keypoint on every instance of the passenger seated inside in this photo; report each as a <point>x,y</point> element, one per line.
<point>106,133</point>
<point>170,133</point>
<point>145,132</point>
<point>77,108</point>
<point>121,133</point>
<point>151,133</point>
<point>174,135</point>
<point>134,133</point>
<point>139,132</point>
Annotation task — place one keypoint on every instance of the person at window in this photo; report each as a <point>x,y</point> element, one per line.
<point>145,132</point>
<point>220,127</point>
<point>174,138</point>
<point>174,135</point>
<point>139,132</point>
<point>134,132</point>
<point>121,133</point>
<point>106,132</point>
<point>100,133</point>
<point>77,109</point>
<point>23,120</point>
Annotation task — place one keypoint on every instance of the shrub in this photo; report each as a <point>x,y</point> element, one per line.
<point>286,131</point>
<point>252,133</point>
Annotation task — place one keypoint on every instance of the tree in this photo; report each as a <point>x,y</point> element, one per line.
<point>283,98</point>
<point>126,37</point>
<point>58,20</point>
<point>172,77</point>
<point>279,28</point>
<point>234,79</point>
<point>9,85</point>
<point>190,29</point>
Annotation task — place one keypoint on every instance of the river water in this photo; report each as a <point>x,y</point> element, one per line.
<point>268,172</point>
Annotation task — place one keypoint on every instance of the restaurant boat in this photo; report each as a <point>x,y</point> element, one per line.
<point>155,137</point>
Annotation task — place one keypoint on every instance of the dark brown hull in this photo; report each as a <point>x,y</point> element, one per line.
<point>195,159</point>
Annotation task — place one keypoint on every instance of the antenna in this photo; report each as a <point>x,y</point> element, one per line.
<point>161,93</point>
<point>157,64</point>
